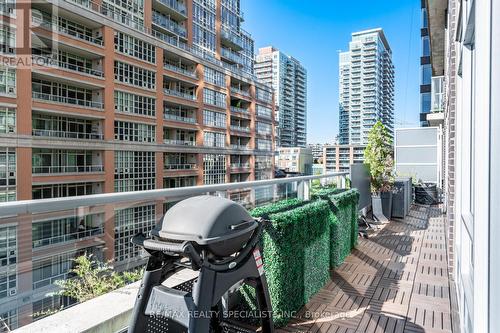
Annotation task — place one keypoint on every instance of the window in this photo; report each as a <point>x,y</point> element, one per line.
<point>213,118</point>
<point>214,169</point>
<point>426,46</point>
<point>10,318</point>
<point>7,174</point>
<point>215,77</point>
<point>204,25</point>
<point>8,261</point>
<point>128,223</point>
<point>215,98</point>
<point>263,128</point>
<point>263,110</point>
<point>7,39</point>
<point>426,74</point>
<point>7,80</point>
<point>135,171</point>
<point>63,93</point>
<point>264,95</point>
<point>214,139</point>
<point>64,190</point>
<point>425,102</point>
<point>63,161</point>
<point>135,132</point>
<point>7,120</point>
<point>263,144</point>
<point>137,104</point>
<point>130,13</point>
<point>176,182</point>
<point>134,75</point>
<point>135,47</point>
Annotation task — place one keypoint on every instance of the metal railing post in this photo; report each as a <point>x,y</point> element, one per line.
<point>300,190</point>
<point>307,189</point>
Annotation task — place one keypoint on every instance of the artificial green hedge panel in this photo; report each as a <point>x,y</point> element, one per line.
<point>276,207</point>
<point>343,222</point>
<point>296,256</point>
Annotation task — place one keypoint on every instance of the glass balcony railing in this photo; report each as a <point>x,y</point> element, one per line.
<point>188,166</point>
<point>169,24</point>
<point>240,128</point>
<point>50,169</point>
<point>66,100</point>
<point>175,117</point>
<point>175,5</point>
<point>180,70</point>
<point>179,142</point>
<point>70,237</point>
<point>181,94</point>
<point>127,213</point>
<point>48,61</point>
<point>67,135</point>
<point>240,165</point>
<point>238,109</point>
<point>240,91</point>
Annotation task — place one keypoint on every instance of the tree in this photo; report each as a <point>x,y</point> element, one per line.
<point>378,156</point>
<point>94,278</point>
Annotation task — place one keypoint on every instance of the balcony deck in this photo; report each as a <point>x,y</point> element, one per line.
<point>397,280</point>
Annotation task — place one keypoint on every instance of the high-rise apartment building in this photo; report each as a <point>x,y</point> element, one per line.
<point>425,66</point>
<point>289,80</point>
<point>366,87</point>
<point>117,96</point>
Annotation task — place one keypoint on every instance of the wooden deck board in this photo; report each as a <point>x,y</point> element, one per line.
<point>395,281</point>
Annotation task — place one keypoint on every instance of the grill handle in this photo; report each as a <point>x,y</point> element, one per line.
<point>151,244</point>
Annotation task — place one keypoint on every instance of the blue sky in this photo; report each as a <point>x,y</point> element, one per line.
<point>313,31</point>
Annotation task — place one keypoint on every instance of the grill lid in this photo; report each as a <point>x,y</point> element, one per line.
<point>205,220</point>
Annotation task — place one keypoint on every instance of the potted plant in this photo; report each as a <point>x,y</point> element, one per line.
<point>378,156</point>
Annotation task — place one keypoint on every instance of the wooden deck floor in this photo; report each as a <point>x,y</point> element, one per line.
<point>395,281</point>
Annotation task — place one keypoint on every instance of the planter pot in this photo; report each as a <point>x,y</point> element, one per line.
<point>386,198</point>
<point>426,194</point>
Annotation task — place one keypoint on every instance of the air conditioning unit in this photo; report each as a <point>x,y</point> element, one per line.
<point>98,34</point>
<point>13,292</point>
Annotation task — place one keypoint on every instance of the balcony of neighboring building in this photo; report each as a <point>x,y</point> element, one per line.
<point>67,61</point>
<point>55,126</point>
<point>240,106</point>
<point>436,115</point>
<point>74,30</point>
<point>240,164</point>
<point>180,164</point>
<point>175,8</point>
<point>230,56</point>
<point>179,137</point>
<point>64,95</point>
<point>170,181</point>
<point>169,24</point>
<point>70,188</point>
<point>231,38</point>
<point>243,176</point>
<point>180,68</point>
<point>239,142</point>
<point>179,114</point>
<point>51,165</point>
<point>64,230</point>
<point>240,88</point>
<point>180,91</point>
<point>240,126</point>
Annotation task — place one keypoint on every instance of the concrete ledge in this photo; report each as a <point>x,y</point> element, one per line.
<point>106,313</point>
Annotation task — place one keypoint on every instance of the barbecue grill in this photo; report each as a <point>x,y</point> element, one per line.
<point>216,237</point>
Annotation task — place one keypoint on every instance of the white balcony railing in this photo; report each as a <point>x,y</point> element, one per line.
<point>240,165</point>
<point>67,135</point>
<point>181,94</point>
<point>240,91</point>
<point>66,100</point>
<point>179,142</point>
<point>188,166</point>
<point>41,169</point>
<point>238,109</point>
<point>174,117</point>
<point>240,128</point>
<point>169,24</point>
<point>52,25</point>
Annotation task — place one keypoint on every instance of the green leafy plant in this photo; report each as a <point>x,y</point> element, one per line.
<point>94,278</point>
<point>378,156</point>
